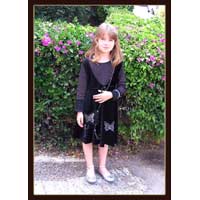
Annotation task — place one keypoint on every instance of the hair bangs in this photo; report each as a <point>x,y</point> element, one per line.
<point>112,35</point>
<point>107,29</point>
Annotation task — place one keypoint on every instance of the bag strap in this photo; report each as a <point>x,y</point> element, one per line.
<point>108,85</point>
<point>97,110</point>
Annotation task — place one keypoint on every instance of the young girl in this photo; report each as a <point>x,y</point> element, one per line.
<point>101,83</point>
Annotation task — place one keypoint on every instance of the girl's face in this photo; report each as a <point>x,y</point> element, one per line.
<point>105,43</point>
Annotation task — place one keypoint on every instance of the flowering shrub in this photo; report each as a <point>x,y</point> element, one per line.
<point>143,44</point>
<point>59,50</point>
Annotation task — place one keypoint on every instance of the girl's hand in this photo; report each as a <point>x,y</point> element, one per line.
<point>79,119</point>
<point>102,97</point>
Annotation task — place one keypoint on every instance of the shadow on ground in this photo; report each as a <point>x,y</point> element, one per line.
<point>141,173</point>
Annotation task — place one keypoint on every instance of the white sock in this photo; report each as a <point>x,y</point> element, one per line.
<point>90,171</point>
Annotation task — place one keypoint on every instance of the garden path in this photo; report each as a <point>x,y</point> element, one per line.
<point>140,173</point>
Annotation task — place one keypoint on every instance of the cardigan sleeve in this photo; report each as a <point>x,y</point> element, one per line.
<point>121,86</point>
<point>81,89</point>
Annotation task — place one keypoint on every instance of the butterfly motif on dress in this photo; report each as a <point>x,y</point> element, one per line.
<point>109,126</point>
<point>89,117</point>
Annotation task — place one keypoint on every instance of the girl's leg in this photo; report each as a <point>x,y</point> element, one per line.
<point>103,151</point>
<point>88,152</point>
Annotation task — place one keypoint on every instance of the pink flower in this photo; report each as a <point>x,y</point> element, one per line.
<point>151,85</point>
<point>78,43</point>
<point>60,42</point>
<point>80,52</point>
<point>162,54</point>
<point>65,51</point>
<point>162,40</point>
<point>140,59</point>
<point>161,61</point>
<point>160,35</point>
<point>147,60</point>
<point>159,51</point>
<point>37,52</point>
<point>158,63</point>
<point>145,40</point>
<point>163,78</point>
<point>90,35</point>
<point>46,40</point>
<point>64,47</point>
<point>57,48</point>
<point>69,42</point>
<point>152,58</point>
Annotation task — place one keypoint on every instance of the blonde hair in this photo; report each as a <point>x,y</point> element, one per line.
<point>116,53</point>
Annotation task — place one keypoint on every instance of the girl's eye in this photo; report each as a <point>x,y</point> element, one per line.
<point>110,40</point>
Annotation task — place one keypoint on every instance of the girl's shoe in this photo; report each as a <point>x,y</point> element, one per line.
<point>107,176</point>
<point>90,176</point>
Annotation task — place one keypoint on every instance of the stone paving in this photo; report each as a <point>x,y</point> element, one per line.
<point>140,174</point>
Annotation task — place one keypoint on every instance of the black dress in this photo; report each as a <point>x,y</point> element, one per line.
<point>106,130</point>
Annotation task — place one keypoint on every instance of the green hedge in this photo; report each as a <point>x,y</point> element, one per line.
<point>85,14</point>
<point>143,44</point>
<point>59,50</point>
<point>93,15</point>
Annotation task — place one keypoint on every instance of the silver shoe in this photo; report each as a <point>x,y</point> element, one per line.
<point>91,178</point>
<point>110,178</point>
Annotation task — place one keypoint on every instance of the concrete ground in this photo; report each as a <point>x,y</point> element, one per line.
<point>141,173</point>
